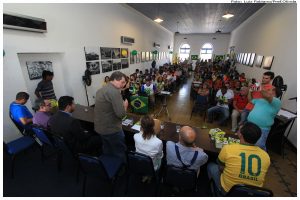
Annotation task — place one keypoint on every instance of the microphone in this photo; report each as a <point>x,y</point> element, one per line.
<point>293,98</point>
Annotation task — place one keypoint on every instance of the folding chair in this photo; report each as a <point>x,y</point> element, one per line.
<point>141,165</point>
<point>182,178</point>
<point>16,147</point>
<point>104,168</point>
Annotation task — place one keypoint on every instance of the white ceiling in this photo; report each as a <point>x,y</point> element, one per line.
<point>198,17</point>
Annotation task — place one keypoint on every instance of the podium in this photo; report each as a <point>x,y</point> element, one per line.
<point>276,138</point>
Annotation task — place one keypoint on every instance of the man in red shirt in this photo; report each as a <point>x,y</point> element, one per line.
<point>239,103</point>
<point>256,94</point>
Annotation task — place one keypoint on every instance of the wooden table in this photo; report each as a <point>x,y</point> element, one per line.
<point>86,114</point>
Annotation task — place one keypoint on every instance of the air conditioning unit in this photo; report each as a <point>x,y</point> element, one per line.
<point>23,22</point>
<point>156,45</point>
<point>127,40</point>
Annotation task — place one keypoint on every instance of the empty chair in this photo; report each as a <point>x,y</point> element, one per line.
<point>181,178</point>
<point>141,165</point>
<point>48,140</point>
<point>17,146</point>
<point>242,190</point>
<point>104,168</point>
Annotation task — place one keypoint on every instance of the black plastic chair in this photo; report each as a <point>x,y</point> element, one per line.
<point>104,168</point>
<point>16,147</point>
<point>141,165</point>
<point>49,140</point>
<point>181,178</point>
<point>242,190</point>
<point>201,105</point>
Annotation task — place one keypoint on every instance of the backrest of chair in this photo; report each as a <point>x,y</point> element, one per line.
<point>241,190</point>
<point>202,100</point>
<point>140,164</point>
<point>21,129</point>
<point>92,166</point>
<point>183,178</point>
<point>42,136</point>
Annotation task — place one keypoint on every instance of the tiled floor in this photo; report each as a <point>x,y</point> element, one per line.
<point>282,174</point>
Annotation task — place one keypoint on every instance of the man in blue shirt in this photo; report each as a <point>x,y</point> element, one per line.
<point>19,112</point>
<point>264,112</point>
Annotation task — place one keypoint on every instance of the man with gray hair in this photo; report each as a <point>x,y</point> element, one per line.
<point>185,153</point>
<point>42,115</point>
<point>109,111</point>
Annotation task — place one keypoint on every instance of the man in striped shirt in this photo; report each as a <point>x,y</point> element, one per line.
<point>45,87</point>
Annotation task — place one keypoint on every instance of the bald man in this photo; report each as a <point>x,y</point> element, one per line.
<point>185,153</point>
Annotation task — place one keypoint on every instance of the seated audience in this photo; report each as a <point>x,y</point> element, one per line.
<point>42,115</point>
<point>239,103</point>
<point>241,163</point>
<point>106,80</point>
<point>63,124</point>
<point>224,98</point>
<point>264,112</point>
<point>147,143</point>
<point>150,89</point>
<point>19,112</point>
<point>185,153</point>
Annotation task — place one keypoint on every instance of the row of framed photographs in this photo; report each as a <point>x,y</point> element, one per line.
<point>253,59</point>
<point>107,65</point>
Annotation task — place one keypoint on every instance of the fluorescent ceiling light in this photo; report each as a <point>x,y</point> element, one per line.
<point>227,15</point>
<point>158,20</point>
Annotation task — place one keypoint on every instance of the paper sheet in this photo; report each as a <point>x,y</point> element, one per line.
<point>286,114</point>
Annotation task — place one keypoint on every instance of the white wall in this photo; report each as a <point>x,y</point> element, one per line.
<point>272,31</point>
<point>70,28</point>
<point>196,41</point>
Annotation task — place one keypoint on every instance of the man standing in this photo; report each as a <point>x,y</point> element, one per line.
<point>109,111</point>
<point>63,124</point>
<point>255,93</point>
<point>185,153</point>
<point>43,114</point>
<point>264,112</point>
<point>19,112</point>
<point>45,87</point>
<point>241,163</point>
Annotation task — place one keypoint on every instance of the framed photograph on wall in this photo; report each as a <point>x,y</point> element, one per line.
<point>124,53</point>
<point>151,56</point>
<point>36,68</point>
<point>124,63</point>
<point>91,53</point>
<point>143,57</point>
<point>93,67</point>
<point>105,53</point>
<point>258,60</point>
<point>147,56</point>
<point>267,63</point>
<point>138,57</point>
<point>115,53</point>
<point>241,58</point>
<point>132,58</point>
<point>251,59</point>
<point>106,66</point>
<point>116,64</point>
<point>245,58</point>
<point>248,59</point>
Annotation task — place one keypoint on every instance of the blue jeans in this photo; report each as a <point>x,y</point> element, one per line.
<point>261,142</point>
<point>214,174</point>
<point>114,144</point>
<point>218,109</point>
<point>244,116</point>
